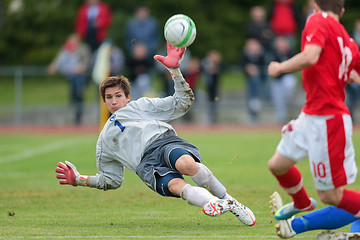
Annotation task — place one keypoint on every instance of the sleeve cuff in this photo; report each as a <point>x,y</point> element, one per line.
<point>93,182</point>
<point>175,72</point>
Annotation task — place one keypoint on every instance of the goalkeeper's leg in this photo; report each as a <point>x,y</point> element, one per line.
<point>198,196</point>
<point>203,177</point>
<point>174,185</point>
<point>199,173</point>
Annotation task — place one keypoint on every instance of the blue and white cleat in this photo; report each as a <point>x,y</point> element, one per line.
<point>283,227</point>
<point>290,210</point>
<point>332,235</point>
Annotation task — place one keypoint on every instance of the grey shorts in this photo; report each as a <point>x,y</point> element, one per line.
<point>155,162</point>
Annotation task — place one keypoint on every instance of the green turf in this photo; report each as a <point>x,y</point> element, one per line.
<point>33,205</point>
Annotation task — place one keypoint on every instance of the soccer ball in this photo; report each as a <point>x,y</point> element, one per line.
<point>180,31</point>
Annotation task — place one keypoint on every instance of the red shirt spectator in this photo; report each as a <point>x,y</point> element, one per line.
<point>92,21</point>
<point>285,18</point>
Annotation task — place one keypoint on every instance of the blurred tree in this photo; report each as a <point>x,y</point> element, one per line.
<point>33,30</point>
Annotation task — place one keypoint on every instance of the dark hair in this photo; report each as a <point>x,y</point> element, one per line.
<point>334,6</point>
<point>119,81</point>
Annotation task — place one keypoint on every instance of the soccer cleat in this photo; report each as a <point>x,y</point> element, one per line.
<point>283,227</point>
<point>275,202</point>
<point>332,235</point>
<point>290,210</point>
<point>243,213</point>
<point>216,207</point>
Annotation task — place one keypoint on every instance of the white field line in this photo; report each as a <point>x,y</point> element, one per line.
<point>51,147</point>
<point>153,237</point>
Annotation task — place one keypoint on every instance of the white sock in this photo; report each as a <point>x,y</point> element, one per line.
<point>227,196</point>
<point>197,196</point>
<point>206,179</point>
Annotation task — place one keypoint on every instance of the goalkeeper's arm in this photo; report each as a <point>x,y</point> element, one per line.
<point>68,174</point>
<point>183,93</point>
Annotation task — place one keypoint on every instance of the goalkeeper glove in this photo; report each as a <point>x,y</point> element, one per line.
<point>173,59</point>
<point>70,174</point>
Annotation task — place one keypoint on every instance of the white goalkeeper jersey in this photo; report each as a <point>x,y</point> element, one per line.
<point>131,129</point>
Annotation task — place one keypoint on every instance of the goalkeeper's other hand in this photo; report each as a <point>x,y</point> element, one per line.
<point>67,174</point>
<point>174,57</point>
<point>70,174</point>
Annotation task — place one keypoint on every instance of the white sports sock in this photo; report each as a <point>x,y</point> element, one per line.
<point>197,196</point>
<point>206,179</point>
<point>227,196</point>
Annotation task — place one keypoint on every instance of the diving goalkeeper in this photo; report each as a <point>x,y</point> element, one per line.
<point>137,136</point>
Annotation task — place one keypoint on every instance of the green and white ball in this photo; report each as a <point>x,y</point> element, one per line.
<point>180,31</point>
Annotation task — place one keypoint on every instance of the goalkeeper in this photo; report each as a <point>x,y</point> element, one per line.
<point>138,137</point>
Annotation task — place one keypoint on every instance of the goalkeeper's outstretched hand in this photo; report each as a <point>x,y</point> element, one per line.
<point>69,174</point>
<point>174,57</point>
<point>66,175</point>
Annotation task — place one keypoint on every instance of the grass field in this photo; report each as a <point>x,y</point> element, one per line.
<point>34,206</point>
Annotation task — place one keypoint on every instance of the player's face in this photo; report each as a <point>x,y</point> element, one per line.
<point>115,98</point>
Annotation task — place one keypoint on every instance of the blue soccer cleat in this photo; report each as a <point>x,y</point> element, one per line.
<point>289,210</point>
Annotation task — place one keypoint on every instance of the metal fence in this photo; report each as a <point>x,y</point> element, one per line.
<point>18,73</point>
<point>231,107</point>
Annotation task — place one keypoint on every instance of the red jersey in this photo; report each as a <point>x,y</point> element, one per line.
<point>283,19</point>
<point>103,20</point>
<point>324,82</point>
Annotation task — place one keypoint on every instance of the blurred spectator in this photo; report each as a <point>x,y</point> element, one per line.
<point>285,20</point>
<point>165,77</point>
<point>253,64</point>
<point>282,88</point>
<point>108,60</point>
<point>139,67</point>
<point>309,8</point>
<point>192,72</point>
<point>143,28</point>
<point>73,61</point>
<point>117,59</point>
<point>356,31</point>
<point>353,89</point>
<point>92,22</point>
<point>191,76</point>
<point>212,67</point>
<point>259,28</point>
<point>352,97</point>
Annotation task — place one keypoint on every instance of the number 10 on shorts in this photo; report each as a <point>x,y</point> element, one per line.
<point>319,169</point>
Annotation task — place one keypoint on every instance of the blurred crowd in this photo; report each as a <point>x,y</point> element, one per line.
<point>272,33</point>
